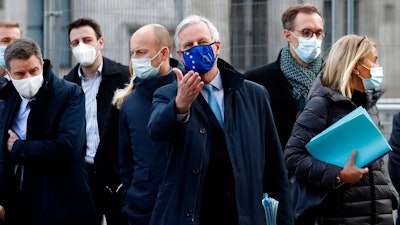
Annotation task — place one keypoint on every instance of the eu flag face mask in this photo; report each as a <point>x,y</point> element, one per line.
<point>200,58</point>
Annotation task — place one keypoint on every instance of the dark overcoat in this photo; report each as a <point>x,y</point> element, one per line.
<point>55,185</point>
<point>252,143</point>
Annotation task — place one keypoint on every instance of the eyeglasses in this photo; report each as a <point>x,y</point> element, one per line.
<point>359,43</point>
<point>308,34</point>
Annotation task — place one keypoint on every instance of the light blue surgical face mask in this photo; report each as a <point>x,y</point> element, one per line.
<point>2,60</point>
<point>375,80</point>
<point>308,49</point>
<point>143,69</point>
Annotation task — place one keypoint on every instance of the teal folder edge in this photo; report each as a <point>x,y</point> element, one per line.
<point>354,131</point>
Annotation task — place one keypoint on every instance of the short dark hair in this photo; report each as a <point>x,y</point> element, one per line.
<point>85,22</point>
<point>22,48</point>
<point>290,14</point>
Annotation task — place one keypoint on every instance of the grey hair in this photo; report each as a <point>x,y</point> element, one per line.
<point>193,19</point>
<point>22,49</point>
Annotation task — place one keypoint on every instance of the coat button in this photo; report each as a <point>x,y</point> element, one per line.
<point>203,130</point>
<point>189,213</point>
<point>196,171</point>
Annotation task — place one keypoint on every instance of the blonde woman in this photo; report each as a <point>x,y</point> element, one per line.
<point>354,195</point>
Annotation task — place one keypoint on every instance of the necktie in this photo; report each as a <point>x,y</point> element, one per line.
<point>212,102</point>
<point>19,168</point>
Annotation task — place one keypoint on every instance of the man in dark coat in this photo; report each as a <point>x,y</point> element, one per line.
<point>219,165</point>
<point>99,77</point>
<point>43,179</point>
<point>142,160</point>
<point>290,77</point>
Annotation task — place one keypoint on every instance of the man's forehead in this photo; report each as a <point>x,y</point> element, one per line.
<point>140,41</point>
<point>83,32</point>
<point>32,61</point>
<point>9,32</point>
<point>195,32</point>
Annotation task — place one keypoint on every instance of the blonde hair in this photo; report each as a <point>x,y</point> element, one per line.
<point>122,93</point>
<point>343,57</point>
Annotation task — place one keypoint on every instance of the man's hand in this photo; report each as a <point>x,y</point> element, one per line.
<point>189,87</point>
<point>10,142</point>
<point>351,173</point>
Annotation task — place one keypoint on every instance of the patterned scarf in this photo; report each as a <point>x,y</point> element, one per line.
<point>299,77</point>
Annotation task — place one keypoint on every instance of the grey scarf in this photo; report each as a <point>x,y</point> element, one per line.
<point>299,77</point>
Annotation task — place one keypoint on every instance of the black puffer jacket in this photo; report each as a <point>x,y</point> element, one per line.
<point>369,201</point>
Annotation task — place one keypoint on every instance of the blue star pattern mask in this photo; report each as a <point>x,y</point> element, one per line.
<point>200,58</point>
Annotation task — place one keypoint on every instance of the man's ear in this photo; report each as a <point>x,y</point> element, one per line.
<point>287,34</point>
<point>165,53</point>
<point>218,45</point>
<point>101,42</point>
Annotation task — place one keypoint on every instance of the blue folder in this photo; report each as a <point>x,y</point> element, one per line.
<point>270,209</point>
<point>357,131</point>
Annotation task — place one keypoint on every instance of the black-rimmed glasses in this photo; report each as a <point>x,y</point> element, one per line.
<point>308,34</point>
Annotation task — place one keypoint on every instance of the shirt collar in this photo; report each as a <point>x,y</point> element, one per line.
<point>24,101</point>
<point>217,81</point>
<point>98,73</point>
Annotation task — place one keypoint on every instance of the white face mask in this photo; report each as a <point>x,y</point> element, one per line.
<point>28,87</point>
<point>308,49</point>
<point>375,80</point>
<point>143,69</point>
<point>85,54</point>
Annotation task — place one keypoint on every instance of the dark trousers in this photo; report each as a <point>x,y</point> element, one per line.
<point>106,203</point>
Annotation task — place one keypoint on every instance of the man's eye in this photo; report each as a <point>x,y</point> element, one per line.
<point>87,41</point>
<point>307,33</point>
<point>74,44</point>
